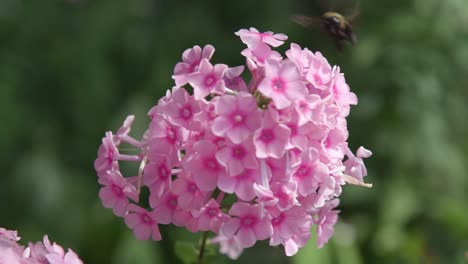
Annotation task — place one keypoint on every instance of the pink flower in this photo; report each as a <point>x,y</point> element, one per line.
<point>191,59</point>
<point>122,134</point>
<point>143,223</point>
<point>277,147</point>
<point>237,116</point>
<point>341,92</point>
<point>258,73</point>
<point>310,109</point>
<point>252,37</point>
<point>108,154</point>
<point>164,139</point>
<point>208,79</point>
<point>355,165</point>
<point>320,72</point>
<point>184,218</point>
<point>202,163</point>
<point>8,235</point>
<point>277,169</point>
<point>10,250</point>
<point>37,252</point>
<point>211,217</point>
<point>52,253</point>
<point>233,80</point>
<point>182,108</point>
<point>300,56</point>
<point>229,246</point>
<point>241,184</point>
<point>165,206</point>
<point>287,226</point>
<point>299,137</point>
<point>238,157</point>
<point>159,109</point>
<point>296,241</point>
<point>272,138</point>
<point>124,130</point>
<point>157,175</point>
<point>310,173</point>
<point>9,256</point>
<point>107,157</point>
<point>335,142</point>
<point>13,253</point>
<point>116,192</point>
<point>282,83</point>
<point>190,197</point>
<point>326,219</point>
<point>261,53</point>
<point>285,193</point>
<point>248,226</point>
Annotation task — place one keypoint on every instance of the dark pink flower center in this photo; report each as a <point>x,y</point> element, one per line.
<point>194,66</point>
<point>278,85</point>
<point>248,221</point>
<point>277,220</point>
<point>238,152</point>
<point>146,219</point>
<point>163,172</point>
<point>243,176</point>
<point>303,106</point>
<point>117,190</point>
<point>264,34</point>
<point>328,142</point>
<point>192,188</point>
<point>220,142</point>
<point>267,135</point>
<point>302,171</point>
<point>293,128</point>
<point>210,80</point>
<point>211,164</point>
<point>237,118</point>
<point>172,202</point>
<point>281,195</point>
<point>171,135</point>
<point>212,212</point>
<point>186,112</point>
<point>110,155</point>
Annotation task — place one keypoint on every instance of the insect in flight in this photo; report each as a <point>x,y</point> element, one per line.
<point>336,25</point>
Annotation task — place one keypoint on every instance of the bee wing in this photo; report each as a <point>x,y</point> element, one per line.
<point>305,21</point>
<point>355,12</point>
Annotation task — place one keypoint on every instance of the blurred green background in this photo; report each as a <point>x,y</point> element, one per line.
<point>72,69</point>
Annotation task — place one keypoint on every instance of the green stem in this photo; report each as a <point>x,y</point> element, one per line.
<point>202,248</point>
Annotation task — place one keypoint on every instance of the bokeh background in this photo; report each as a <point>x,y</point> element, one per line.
<point>72,69</point>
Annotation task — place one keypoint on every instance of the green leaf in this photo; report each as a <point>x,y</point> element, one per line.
<point>186,252</point>
<point>311,254</point>
<point>130,250</point>
<point>344,242</point>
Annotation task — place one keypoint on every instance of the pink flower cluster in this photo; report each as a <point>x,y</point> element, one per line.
<point>248,161</point>
<point>36,253</point>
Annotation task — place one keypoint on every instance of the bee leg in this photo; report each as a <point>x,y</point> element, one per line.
<point>339,45</point>
<point>350,35</point>
<point>353,38</point>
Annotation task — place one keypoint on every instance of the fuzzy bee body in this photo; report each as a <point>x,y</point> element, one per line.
<point>337,26</point>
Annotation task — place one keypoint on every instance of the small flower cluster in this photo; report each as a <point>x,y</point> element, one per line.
<point>36,253</point>
<point>256,161</point>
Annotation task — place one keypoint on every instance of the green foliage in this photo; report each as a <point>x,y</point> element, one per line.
<point>186,252</point>
<point>72,69</point>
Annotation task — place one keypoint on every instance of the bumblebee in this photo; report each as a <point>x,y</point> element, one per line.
<point>337,26</point>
